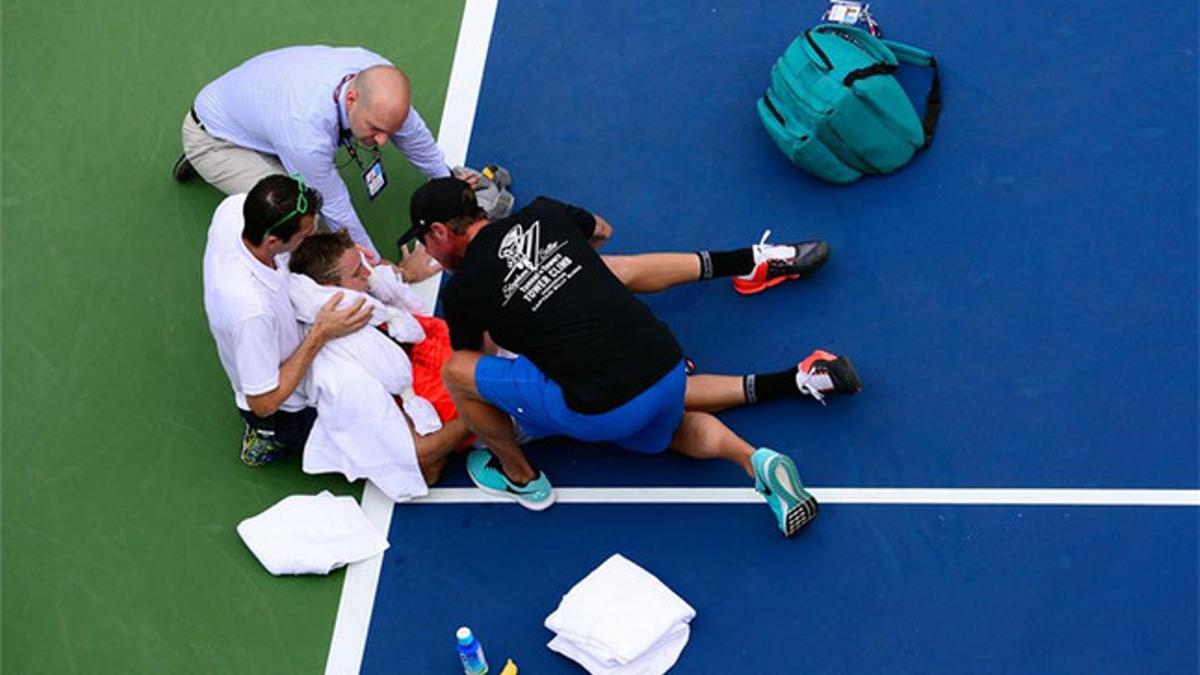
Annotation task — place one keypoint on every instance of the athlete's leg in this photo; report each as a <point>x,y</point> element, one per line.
<point>493,426</point>
<point>703,436</point>
<point>754,268</point>
<point>775,477</point>
<point>714,393</point>
<point>819,374</point>
<point>433,450</point>
<point>653,272</point>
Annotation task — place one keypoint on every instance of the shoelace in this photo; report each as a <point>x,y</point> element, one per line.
<point>764,252</point>
<point>806,387</point>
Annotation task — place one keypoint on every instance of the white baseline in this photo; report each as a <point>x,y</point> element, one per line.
<point>842,495</point>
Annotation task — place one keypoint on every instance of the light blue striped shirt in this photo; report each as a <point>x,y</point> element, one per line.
<point>281,103</point>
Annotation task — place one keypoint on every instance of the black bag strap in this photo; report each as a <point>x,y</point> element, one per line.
<point>933,100</point>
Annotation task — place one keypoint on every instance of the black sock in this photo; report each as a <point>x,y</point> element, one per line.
<point>725,263</point>
<point>763,387</point>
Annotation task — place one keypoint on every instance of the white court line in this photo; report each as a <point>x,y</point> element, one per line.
<point>835,495</point>
<point>358,594</point>
<point>466,78</point>
<point>362,578</point>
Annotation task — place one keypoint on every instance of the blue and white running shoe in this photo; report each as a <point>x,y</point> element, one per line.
<point>485,472</point>
<point>775,478</point>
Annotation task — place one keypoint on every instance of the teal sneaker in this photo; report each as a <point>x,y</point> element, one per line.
<point>484,470</point>
<point>775,478</point>
<point>259,448</point>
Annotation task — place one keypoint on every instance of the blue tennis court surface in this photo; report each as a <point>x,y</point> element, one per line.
<point>1021,303</point>
<point>865,590</point>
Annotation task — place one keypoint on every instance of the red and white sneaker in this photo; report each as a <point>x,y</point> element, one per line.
<point>776,263</point>
<point>823,373</point>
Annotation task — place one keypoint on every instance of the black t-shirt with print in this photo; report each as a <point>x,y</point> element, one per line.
<point>535,284</point>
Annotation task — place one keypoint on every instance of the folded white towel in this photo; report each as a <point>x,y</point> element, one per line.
<point>656,661</point>
<point>621,619</point>
<point>311,534</point>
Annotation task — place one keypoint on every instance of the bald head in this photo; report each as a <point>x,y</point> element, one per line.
<point>377,103</point>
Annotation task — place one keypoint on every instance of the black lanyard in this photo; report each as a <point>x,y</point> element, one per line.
<point>345,138</point>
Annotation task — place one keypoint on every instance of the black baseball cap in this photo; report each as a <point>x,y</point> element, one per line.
<point>437,201</point>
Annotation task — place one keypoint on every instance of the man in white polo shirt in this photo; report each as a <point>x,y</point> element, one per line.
<point>289,110</point>
<point>259,341</point>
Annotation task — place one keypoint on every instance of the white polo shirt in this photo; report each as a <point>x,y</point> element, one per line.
<point>248,310</point>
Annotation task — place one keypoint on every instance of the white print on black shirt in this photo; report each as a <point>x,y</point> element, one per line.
<point>533,271</point>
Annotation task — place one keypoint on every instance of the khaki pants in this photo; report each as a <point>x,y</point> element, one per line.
<point>230,168</point>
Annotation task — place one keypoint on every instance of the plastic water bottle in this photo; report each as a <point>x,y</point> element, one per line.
<point>471,653</point>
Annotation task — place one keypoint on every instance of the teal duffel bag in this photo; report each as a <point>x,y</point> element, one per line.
<point>836,110</point>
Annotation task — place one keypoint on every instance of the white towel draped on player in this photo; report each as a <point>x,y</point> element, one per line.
<point>360,432</point>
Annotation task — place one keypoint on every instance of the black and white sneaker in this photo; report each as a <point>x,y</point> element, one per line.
<point>777,263</point>
<point>822,373</point>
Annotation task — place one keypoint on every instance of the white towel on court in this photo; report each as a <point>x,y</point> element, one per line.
<point>360,431</point>
<point>620,619</point>
<point>311,534</point>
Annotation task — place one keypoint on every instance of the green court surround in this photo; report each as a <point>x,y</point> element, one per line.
<point>121,483</point>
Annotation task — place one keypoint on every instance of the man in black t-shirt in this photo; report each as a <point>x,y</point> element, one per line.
<point>595,364</point>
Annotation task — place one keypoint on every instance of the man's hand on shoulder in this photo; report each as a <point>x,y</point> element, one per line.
<point>333,323</point>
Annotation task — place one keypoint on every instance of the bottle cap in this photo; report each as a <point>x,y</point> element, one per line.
<point>464,636</point>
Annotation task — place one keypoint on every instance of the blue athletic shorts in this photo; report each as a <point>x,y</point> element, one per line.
<point>644,424</point>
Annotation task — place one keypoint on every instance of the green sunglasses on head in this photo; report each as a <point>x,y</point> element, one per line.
<point>301,205</point>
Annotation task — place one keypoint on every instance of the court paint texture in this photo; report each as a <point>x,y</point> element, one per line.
<point>1021,302</point>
